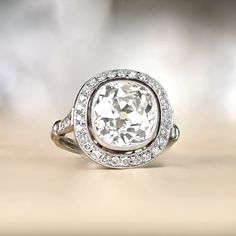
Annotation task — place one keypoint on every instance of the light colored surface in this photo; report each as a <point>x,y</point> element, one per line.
<point>49,48</point>
<point>190,190</point>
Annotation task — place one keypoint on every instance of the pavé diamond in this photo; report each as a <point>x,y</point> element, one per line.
<point>140,115</point>
<point>124,115</point>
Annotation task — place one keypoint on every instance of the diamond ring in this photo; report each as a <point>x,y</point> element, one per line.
<point>120,119</point>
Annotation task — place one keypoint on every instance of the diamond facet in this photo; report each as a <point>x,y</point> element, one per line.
<point>118,141</point>
<point>124,115</point>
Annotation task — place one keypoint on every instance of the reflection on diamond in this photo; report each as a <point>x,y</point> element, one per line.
<point>124,115</point>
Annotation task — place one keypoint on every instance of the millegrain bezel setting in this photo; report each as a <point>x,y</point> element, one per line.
<point>104,156</point>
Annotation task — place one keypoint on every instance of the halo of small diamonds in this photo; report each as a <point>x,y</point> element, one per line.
<point>104,156</point>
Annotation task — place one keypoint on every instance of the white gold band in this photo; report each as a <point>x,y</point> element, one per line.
<point>120,119</point>
<point>65,126</point>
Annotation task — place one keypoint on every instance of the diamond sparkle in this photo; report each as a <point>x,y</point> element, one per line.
<point>109,156</point>
<point>124,115</point>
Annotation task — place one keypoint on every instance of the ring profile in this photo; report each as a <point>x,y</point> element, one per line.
<point>120,119</point>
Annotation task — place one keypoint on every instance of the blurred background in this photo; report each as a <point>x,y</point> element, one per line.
<point>49,48</point>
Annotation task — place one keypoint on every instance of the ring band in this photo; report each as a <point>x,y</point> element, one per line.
<point>120,119</point>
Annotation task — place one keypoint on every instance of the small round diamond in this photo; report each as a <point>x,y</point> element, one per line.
<point>123,120</point>
<point>147,156</point>
<point>87,147</point>
<point>125,161</point>
<point>124,115</point>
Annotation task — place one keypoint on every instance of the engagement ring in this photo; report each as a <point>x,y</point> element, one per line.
<point>120,119</point>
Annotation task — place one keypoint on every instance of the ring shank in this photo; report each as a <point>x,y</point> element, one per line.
<point>64,142</point>
<point>59,131</point>
<point>62,127</point>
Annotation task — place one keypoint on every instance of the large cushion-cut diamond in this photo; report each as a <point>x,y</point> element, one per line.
<point>124,115</point>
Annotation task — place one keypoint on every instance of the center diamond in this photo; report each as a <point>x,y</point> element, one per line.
<point>124,115</point>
